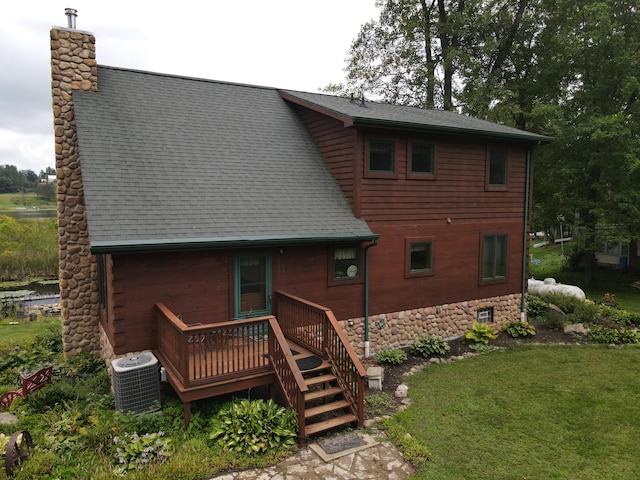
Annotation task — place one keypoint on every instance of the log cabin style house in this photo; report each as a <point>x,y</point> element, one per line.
<point>230,228</point>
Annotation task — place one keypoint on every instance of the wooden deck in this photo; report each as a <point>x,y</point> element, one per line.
<point>204,361</point>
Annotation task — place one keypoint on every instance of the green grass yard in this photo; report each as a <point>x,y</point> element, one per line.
<point>541,412</point>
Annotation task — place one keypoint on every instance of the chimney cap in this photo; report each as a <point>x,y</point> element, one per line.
<point>71,14</point>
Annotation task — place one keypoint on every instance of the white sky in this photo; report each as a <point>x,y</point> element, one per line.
<point>293,44</point>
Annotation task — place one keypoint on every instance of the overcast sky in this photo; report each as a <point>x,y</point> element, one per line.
<point>293,44</point>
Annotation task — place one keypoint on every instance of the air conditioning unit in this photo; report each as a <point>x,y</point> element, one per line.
<point>136,383</point>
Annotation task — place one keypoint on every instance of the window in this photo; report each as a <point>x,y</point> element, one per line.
<point>485,315</point>
<point>497,167</point>
<point>381,156</point>
<point>421,158</point>
<point>494,257</point>
<point>419,257</point>
<point>346,263</point>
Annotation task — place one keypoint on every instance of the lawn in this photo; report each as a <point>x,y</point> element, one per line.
<point>11,201</point>
<point>541,412</point>
<point>14,331</point>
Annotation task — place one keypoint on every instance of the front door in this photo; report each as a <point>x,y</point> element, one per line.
<point>252,285</point>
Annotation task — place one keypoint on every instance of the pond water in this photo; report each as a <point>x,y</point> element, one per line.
<point>30,214</point>
<point>35,293</point>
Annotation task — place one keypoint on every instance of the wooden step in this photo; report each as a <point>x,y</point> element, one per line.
<point>329,424</point>
<point>325,408</point>
<point>319,379</point>
<point>327,392</point>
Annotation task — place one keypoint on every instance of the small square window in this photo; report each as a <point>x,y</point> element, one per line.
<point>498,161</point>
<point>346,263</point>
<point>420,257</point>
<point>485,315</point>
<point>381,156</point>
<point>421,158</point>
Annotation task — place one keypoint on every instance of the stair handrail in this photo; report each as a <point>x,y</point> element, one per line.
<point>288,376</point>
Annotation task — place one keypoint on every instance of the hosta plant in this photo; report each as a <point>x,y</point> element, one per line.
<point>135,451</point>
<point>254,426</point>
<point>519,329</point>
<point>392,356</point>
<point>430,345</point>
<point>480,333</point>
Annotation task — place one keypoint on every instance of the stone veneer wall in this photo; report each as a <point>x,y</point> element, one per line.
<point>73,67</point>
<point>401,329</point>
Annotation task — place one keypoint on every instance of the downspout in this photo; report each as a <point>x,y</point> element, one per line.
<point>525,236</point>
<point>367,347</point>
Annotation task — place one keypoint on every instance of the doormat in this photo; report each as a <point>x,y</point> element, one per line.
<point>342,445</point>
<point>343,442</point>
<point>309,363</point>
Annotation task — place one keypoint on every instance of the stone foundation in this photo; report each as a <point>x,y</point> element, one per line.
<point>401,329</point>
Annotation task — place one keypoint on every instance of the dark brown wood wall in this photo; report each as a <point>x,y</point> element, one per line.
<point>199,287</point>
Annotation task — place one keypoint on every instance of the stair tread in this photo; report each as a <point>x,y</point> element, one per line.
<point>328,424</point>
<point>319,379</point>
<point>325,408</point>
<point>327,392</point>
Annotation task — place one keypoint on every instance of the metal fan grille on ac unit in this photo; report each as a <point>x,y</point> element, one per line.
<point>136,384</point>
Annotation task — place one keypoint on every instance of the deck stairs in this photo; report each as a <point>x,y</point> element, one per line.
<point>326,407</point>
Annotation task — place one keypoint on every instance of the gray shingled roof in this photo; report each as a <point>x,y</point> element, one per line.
<point>174,161</point>
<point>385,114</point>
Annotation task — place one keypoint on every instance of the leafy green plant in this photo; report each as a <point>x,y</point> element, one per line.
<point>519,329</point>
<point>429,345</point>
<point>609,299</point>
<point>254,426</point>
<point>536,306</point>
<point>135,451</point>
<point>377,402</point>
<point>481,333</point>
<point>69,429</point>
<point>601,334</point>
<point>392,356</point>
<point>414,451</point>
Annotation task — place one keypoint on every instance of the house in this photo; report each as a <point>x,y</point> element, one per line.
<point>197,215</point>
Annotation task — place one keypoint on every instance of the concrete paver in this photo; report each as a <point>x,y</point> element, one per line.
<point>379,460</point>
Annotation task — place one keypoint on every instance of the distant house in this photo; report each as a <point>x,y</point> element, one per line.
<point>187,202</point>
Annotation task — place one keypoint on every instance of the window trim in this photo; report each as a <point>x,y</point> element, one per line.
<point>368,173</point>
<point>420,175</point>
<point>332,279</point>
<point>490,312</point>
<point>493,280</point>
<point>499,187</point>
<point>408,273</point>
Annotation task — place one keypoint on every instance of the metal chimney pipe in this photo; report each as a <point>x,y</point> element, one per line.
<point>71,14</point>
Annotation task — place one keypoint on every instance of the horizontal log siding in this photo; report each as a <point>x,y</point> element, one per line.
<point>337,145</point>
<point>457,191</point>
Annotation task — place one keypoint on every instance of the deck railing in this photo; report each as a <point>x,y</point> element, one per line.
<point>200,354</point>
<point>316,328</point>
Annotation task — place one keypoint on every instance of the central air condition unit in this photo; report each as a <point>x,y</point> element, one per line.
<point>136,384</point>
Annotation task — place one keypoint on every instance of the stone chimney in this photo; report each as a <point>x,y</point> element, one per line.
<point>73,67</point>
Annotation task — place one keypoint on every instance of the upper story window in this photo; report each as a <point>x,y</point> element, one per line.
<point>381,156</point>
<point>421,159</point>
<point>494,257</point>
<point>419,257</point>
<point>346,263</point>
<point>497,164</point>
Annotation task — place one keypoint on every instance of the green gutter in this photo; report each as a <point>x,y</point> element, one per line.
<point>525,236</point>
<point>137,246</point>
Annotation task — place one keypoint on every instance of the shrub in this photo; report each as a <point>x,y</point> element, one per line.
<point>536,306</point>
<point>254,426</point>
<point>429,345</point>
<point>392,356</point>
<point>480,333</point>
<point>586,312</point>
<point>519,329</point>
<point>566,303</point>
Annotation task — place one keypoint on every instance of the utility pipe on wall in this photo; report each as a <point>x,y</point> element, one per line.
<point>525,235</point>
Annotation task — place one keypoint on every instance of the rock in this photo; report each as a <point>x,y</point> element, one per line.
<point>578,328</point>
<point>8,418</point>
<point>557,309</point>
<point>401,391</point>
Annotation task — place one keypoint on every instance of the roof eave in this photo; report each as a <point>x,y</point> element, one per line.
<point>345,119</point>
<point>137,246</point>
<point>525,137</point>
